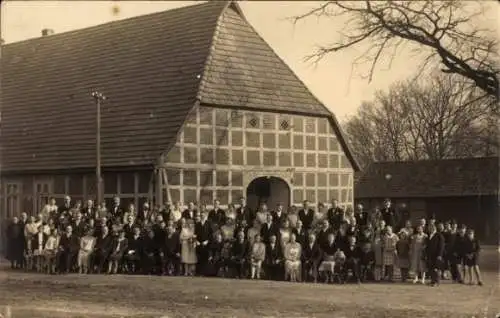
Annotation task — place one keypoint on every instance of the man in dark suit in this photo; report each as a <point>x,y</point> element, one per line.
<point>78,225</point>
<point>145,213</point>
<point>243,212</point>
<point>306,215</point>
<point>89,211</point>
<point>64,209</point>
<point>217,215</point>
<point>352,254</point>
<point>335,214</point>
<point>268,229</point>
<point>149,253</point>
<point>132,256</point>
<point>171,251</point>
<point>274,259</point>
<point>322,237</point>
<point>301,234</point>
<point>191,212</point>
<point>204,234</point>
<point>116,210</point>
<point>278,215</point>
<point>68,249</point>
<point>361,216</point>
<point>458,254</point>
<point>311,258</point>
<point>103,247</point>
<point>389,213</point>
<point>434,252</point>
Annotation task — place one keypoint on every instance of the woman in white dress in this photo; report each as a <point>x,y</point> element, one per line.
<point>417,246</point>
<point>130,211</point>
<point>251,232</point>
<point>231,212</point>
<point>87,244</point>
<point>319,216</point>
<point>293,252</point>
<point>50,209</point>
<point>176,213</point>
<point>349,216</point>
<point>262,213</point>
<point>293,216</point>
<point>285,234</point>
<point>188,247</point>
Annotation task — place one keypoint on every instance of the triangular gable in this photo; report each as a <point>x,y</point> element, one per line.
<point>243,71</point>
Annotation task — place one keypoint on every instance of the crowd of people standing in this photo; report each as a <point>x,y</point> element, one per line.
<point>302,244</point>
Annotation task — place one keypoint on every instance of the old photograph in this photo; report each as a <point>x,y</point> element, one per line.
<point>214,158</point>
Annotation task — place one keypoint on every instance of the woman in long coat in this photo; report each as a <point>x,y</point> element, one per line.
<point>389,252</point>
<point>15,243</point>
<point>188,247</point>
<point>403,249</point>
<point>417,248</point>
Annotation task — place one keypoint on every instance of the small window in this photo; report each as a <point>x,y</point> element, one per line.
<point>285,125</point>
<point>253,122</point>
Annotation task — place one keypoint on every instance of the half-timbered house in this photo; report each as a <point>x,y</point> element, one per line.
<point>198,107</point>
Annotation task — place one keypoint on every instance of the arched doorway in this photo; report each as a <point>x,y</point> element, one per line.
<point>271,190</point>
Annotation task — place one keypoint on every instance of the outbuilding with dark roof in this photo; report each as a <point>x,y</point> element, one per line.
<point>465,190</point>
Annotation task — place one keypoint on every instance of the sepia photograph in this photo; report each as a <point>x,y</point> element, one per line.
<point>322,159</point>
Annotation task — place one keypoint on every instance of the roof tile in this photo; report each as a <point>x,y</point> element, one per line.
<point>153,69</point>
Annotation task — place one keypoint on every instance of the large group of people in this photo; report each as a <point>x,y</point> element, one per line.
<point>303,244</point>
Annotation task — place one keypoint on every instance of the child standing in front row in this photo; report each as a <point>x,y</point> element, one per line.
<point>471,249</point>
<point>257,256</point>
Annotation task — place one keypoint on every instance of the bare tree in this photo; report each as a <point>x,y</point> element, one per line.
<point>433,118</point>
<point>443,31</point>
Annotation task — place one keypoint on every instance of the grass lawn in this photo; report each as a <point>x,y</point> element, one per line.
<point>37,295</point>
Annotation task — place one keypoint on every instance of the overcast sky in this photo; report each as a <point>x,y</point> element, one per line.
<point>331,80</point>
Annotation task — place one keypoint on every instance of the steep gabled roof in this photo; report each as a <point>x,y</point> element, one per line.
<point>153,69</point>
<point>429,178</point>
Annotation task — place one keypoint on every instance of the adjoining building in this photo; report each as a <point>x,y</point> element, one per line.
<point>465,190</point>
<point>198,107</point>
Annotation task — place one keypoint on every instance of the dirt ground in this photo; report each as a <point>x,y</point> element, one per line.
<point>92,296</point>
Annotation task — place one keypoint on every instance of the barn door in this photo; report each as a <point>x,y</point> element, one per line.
<point>43,190</point>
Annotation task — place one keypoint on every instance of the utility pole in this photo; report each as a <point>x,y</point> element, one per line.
<point>98,98</point>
